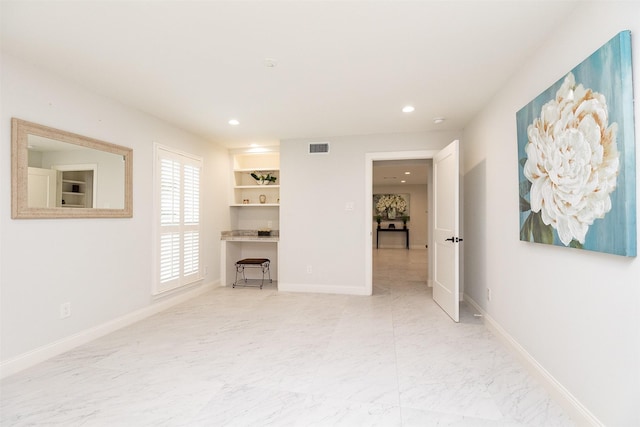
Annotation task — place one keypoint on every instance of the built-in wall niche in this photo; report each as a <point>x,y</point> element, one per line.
<point>247,190</point>
<point>76,188</point>
<point>255,219</point>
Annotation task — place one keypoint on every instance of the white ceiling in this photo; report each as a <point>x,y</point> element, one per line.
<point>343,68</point>
<point>393,172</point>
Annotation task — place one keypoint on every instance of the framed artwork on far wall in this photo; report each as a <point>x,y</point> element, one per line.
<point>391,207</point>
<point>576,157</point>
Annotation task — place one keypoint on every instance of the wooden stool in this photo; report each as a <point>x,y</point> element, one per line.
<point>262,263</point>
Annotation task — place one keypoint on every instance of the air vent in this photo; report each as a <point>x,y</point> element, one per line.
<point>319,148</point>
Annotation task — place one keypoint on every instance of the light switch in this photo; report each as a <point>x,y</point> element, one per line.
<point>348,206</point>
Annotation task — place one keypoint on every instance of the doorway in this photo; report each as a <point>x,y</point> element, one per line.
<point>391,158</point>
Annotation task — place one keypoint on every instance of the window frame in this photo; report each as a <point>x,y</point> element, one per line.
<point>181,229</point>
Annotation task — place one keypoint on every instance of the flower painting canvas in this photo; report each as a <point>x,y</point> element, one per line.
<point>576,152</point>
<point>390,207</point>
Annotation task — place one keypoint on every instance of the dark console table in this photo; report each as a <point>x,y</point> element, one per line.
<point>397,230</point>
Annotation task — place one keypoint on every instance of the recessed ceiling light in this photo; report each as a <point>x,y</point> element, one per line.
<point>408,109</point>
<point>234,122</point>
<point>403,181</point>
<point>407,173</point>
<point>438,120</point>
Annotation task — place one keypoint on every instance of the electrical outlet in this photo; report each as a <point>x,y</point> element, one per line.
<point>488,294</point>
<point>65,310</point>
<point>309,269</point>
<point>269,224</point>
<point>206,270</point>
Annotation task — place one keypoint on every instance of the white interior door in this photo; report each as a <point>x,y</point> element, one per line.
<point>41,188</point>
<point>446,288</point>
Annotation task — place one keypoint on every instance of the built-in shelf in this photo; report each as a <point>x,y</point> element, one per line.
<point>76,189</point>
<point>255,205</point>
<point>246,191</point>
<point>249,170</point>
<point>257,186</point>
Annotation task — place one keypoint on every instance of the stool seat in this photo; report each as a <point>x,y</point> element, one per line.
<point>253,261</point>
<point>262,263</point>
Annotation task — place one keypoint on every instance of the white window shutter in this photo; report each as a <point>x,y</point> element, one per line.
<point>178,212</point>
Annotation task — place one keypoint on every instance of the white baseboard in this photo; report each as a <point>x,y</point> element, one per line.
<point>40,354</point>
<point>578,412</point>
<point>322,289</point>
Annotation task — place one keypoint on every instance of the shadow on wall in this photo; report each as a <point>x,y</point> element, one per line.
<point>475,222</point>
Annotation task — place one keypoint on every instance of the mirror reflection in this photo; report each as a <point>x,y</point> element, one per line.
<point>71,176</point>
<point>58,174</point>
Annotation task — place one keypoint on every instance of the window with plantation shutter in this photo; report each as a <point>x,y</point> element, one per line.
<point>178,219</point>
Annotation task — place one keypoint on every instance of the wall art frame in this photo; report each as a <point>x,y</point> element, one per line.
<point>576,157</point>
<point>391,207</point>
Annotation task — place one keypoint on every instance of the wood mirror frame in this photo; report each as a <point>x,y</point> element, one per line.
<point>20,131</point>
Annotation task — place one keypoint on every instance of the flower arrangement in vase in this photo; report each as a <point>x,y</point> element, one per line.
<point>263,179</point>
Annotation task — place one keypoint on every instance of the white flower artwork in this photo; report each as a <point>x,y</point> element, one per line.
<point>572,161</point>
<point>576,151</point>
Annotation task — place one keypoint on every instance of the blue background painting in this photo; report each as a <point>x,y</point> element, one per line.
<point>607,71</point>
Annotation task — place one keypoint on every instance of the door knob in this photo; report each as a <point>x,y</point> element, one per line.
<point>450,239</point>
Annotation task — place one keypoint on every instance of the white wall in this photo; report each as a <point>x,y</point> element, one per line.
<point>577,313</point>
<point>418,235</point>
<point>315,228</point>
<point>102,266</point>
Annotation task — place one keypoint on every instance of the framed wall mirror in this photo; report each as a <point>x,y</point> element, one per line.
<point>59,174</point>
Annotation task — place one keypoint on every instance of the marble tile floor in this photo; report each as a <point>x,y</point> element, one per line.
<point>251,357</point>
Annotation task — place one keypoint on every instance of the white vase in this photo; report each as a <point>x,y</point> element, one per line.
<point>391,213</point>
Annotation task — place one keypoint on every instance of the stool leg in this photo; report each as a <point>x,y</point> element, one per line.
<point>269,271</point>
<point>236,281</point>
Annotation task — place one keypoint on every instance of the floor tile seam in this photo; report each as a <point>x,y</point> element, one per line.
<point>197,414</point>
<point>505,420</point>
<point>93,368</point>
<point>329,355</point>
<point>395,350</point>
<point>409,380</point>
<point>322,397</point>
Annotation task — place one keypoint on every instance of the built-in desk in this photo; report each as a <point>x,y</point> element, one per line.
<point>397,230</point>
<point>239,244</point>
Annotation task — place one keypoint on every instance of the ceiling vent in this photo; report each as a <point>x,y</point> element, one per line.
<point>319,148</point>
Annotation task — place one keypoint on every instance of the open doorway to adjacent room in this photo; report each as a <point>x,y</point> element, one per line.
<point>399,242</point>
